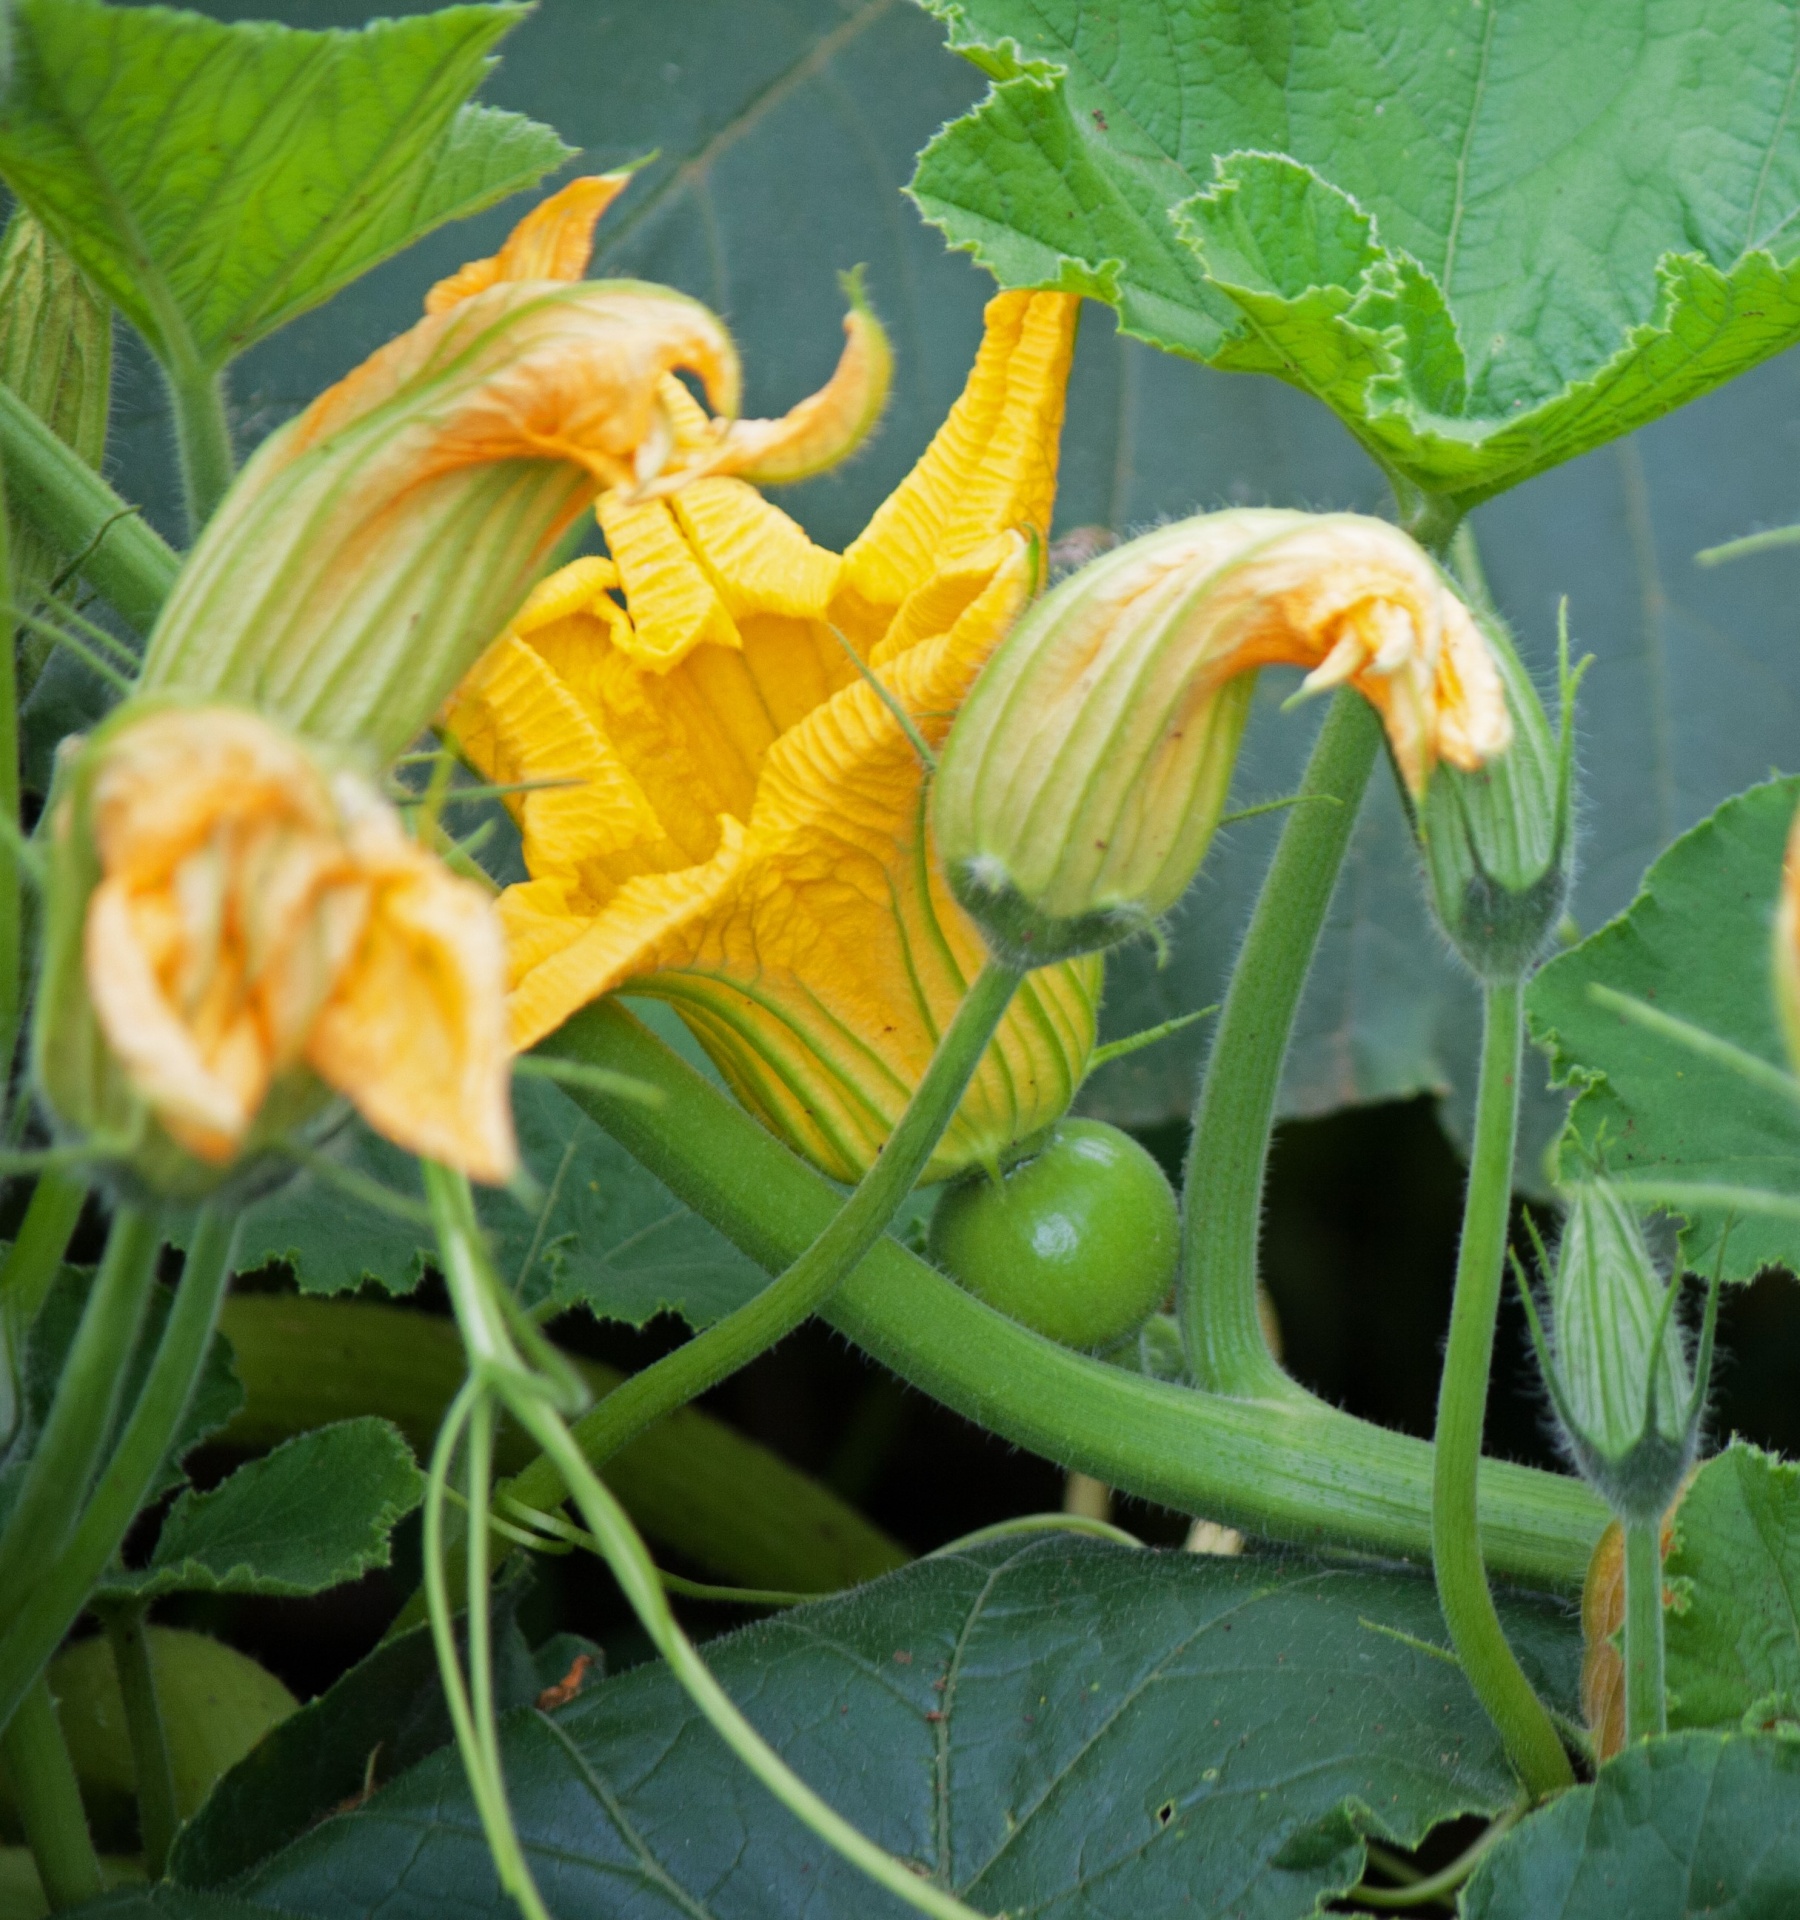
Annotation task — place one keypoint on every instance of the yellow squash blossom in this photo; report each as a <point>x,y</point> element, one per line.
<point>736,821</point>
<point>245,921</point>
<point>1086,774</point>
<point>372,546</point>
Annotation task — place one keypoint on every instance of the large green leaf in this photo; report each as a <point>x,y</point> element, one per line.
<point>390,1705</point>
<point>1733,1628</point>
<point>1672,1829</point>
<point>602,1232</point>
<point>320,1510</point>
<point>1488,237</point>
<point>1059,1725</point>
<point>216,180</point>
<point>1695,946</point>
<point>786,130</point>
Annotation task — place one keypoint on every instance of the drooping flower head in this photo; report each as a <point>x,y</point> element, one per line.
<point>236,928</point>
<point>371,547</point>
<point>738,824</point>
<point>1086,773</point>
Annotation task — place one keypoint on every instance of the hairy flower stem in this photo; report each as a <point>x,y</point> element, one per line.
<point>34,1630</point>
<point>158,1818</point>
<point>499,1370</point>
<point>49,1802</point>
<point>1228,1152</point>
<point>1302,1472</point>
<point>1456,1544</point>
<point>203,440</point>
<point>105,538</point>
<point>1646,1706</point>
<point>87,1397</point>
<point>804,1288</point>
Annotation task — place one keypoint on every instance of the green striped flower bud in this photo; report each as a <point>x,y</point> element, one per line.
<point>1615,1362</point>
<point>1498,841</point>
<point>1087,770</point>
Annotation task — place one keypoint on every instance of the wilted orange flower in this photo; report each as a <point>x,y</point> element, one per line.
<point>743,831</point>
<point>253,915</point>
<point>371,547</point>
<point>1088,770</point>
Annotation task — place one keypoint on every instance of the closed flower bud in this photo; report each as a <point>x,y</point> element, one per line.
<point>235,931</point>
<point>1498,841</point>
<point>1084,777</point>
<point>1615,1363</point>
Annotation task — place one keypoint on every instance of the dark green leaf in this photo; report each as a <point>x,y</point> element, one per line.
<point>1483,256</point>
<point>215,181</point>
<point>382,1717</point>
<point>1060,1725</point>
<point>1733,1628</point>
<point>1695,944</point>
<point>320,1510</point>
<point>607,1235</point>
<point>1672,1829</point>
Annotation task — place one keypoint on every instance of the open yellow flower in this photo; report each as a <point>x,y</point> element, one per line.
<point>247,920</point>
<point>371,547</point>
<point>739,825</point>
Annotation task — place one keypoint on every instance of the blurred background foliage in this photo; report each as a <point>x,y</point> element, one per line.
<point>784,132</point>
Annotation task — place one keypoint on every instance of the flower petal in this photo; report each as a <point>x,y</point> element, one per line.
<point>415,1035</point>
<point>552,242</point>
<point>207,1103</point>
<point>990,467</point>
<point>829,424</point>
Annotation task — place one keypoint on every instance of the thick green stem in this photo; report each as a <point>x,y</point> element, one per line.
<point>203,440</point>
<point>1646,1706</point>
<point>35,1258</point>
<point>36,1628</point>
<point>804,1288</point>
<point>1305,1473</point>
<point>158,1818</point>
<point>49,1802</point>
<point>87,1397</point>
<point>69,503</point>
<point>1229,1149</point>
<point>1456,1540</point>
<point>30,1267</point>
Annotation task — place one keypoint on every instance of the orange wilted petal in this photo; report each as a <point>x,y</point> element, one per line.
<point>552,242</point>
<point>415,1033</point>
<point>783,895</point>
<point>249,914</point>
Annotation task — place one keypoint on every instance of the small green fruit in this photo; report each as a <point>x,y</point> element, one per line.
<point>1078,1241</point>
